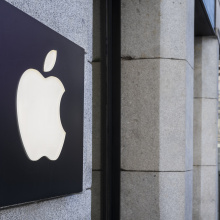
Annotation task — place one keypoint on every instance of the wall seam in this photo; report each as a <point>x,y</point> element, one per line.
<point>156,171</point>
<point>155,58</point>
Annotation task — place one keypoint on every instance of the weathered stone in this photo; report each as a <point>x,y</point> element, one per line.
<point>72,207</point>
<point>156,195</point>
<point>87,129</point>
<point>158,29</point>
<point>205,131</point>
<point>206,67</point>
<point>157,115</point>
<point>205,196</point>
<point>205,191</point>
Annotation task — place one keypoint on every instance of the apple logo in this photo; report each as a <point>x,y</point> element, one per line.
<point>38,112</point>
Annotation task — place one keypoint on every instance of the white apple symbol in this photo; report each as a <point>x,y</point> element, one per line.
<point>38,112</point>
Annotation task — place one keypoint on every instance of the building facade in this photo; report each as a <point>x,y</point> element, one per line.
<point>168,109</point>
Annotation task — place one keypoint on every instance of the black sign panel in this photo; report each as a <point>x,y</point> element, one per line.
<point>24,44</point>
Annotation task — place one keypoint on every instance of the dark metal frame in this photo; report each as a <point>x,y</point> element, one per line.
<point>111,99</point>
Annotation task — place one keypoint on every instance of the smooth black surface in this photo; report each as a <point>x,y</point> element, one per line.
<point>203,26</point>
<point>112,68</point>
<point>24,44</point>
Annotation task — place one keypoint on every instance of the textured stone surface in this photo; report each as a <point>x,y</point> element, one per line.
<point>75,207</point>
<point>206,67</point>
<point>73,20</point>
<point>205,176</point>
<point>156,195</point>
<point>176,115</point>
<point>140,28</point>
<point>177,29</point>
<point>96,195</point>
<point>87,136</point>
<point>140,115</point>
<point>157,115</point>
<point>158,29</point>
<point>205,132</point>
<point>96,125</point>
<point>205,193</point>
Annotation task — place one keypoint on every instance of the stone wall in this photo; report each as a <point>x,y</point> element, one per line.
<point>74,20</point>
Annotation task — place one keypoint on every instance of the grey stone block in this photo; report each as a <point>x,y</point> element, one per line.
<point>176,115</point>
<point>87,129</point>
<point>71,18</point>
<point>156,195</point>
<point>157,115</point>
<point>140,115</point>
<point>140,28</point>
<point>96,195</point>
<point>155,29</point>
<point>206,67</point>
<point>96,135</point>
<point>205,193</point>
<point>205,131</point>
<point>75,207</point>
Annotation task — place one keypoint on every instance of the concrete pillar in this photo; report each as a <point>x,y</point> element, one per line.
<point>205,186</point>
<point>157,109</point>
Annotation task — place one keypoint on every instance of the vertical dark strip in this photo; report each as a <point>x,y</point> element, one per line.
<point>115,112</point>
<point>111,70</point>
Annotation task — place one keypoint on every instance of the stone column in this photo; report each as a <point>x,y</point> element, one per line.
<point>205,186</point>
<point>157,109</point>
